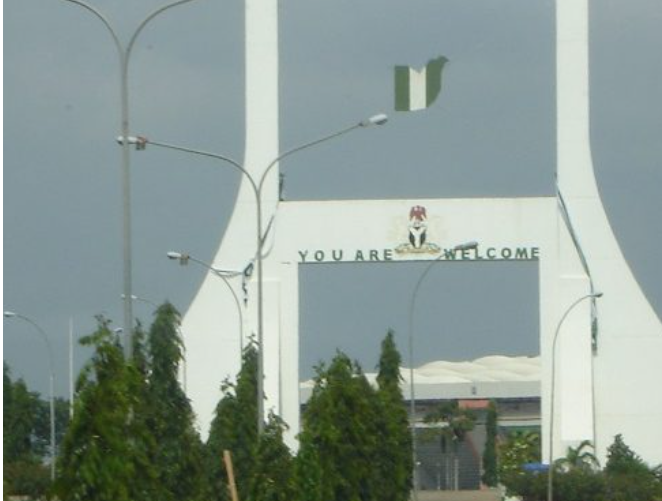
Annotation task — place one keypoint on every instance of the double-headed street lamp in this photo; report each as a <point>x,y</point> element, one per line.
<point>257,185</point>
<point>550,471</point>
<point>412,398</point>
<point>223,275</point>
<point>124,53</point>
<point>11,314</point>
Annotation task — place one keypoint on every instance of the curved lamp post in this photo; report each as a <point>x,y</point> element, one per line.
<point>257,185</point>
<point>412,398</point>
<point>143,300</point>
<point>223,275</point>
<point>550,470</point>
<point>124,53</point>
<point>11,314</point>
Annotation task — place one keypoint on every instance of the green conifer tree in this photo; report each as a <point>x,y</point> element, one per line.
<point>179,458</point>
<point>628,477</point>
<point>341,434</point>
<point>307,472</point>
<point>622,460</point>
<point>106,455</point>
<point>234,428</point>
<point>139,340</point>
<point>395,447</point>
<point>272,476</point>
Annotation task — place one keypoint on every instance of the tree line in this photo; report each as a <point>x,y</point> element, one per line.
<point>578,476</point>
<point>26,436</point>
<point>132,436</point>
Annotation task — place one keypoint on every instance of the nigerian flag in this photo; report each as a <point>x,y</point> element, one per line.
<point>416,90</point>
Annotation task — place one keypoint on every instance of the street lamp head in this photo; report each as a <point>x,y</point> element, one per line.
<point>140,142</point>
<point>183,258</point>
<point>9,314</point>
<point>466,246</point>
<point>379,119</point>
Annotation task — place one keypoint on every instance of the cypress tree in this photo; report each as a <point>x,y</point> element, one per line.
<point>340,434</point>
<point>107,449</point>
<point>219,438</point>
<point>139,341</point>
<point>622,460</point>
<point>307,471</point>
<point>272,478</point>
<point>628,477</point>
<point>395,447</point>
<point>234,428</point>
<point>388,375</point>
<point>179,456</point>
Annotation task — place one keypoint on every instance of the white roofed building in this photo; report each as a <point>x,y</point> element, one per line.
<point>512,382</point>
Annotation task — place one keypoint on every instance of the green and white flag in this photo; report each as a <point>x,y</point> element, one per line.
<point>416,90</point>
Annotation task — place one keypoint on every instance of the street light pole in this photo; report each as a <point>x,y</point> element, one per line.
<point>71,368</point>
<point>124,54</point>
<point>550,470</point>
<point>11,314</point>
<point>223,275</point>
<point>412,397</point>
<point>256,185</point>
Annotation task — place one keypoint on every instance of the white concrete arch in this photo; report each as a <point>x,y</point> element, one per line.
<point>599,393</point>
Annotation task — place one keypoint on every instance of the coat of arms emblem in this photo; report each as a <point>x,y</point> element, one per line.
<point>418,233</point>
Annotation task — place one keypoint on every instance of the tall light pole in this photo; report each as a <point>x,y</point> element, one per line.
<point>71,368</point>
<point>550,471</point>
<point>124,53</point>
<point>11,314</point>
<point>223,275</point>
<point>412,394</point>
<point>256,185</point>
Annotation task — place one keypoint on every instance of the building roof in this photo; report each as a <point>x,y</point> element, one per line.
<point>493,376</point>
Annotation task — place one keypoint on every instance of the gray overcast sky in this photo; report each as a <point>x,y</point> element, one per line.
<point>491,133</point>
